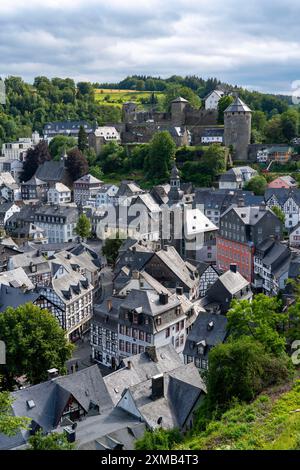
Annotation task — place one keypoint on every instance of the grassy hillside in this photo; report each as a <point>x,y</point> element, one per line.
<point>113,97</point>
<point>271,422</point>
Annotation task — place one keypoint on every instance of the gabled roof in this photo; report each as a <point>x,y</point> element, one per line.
<point>182,389</point>
<point>90,179</point>
<point>249,215</point>
<point>183,270</point>
<point>233,282</point>
<point>34,181</point>
<point>149,301</point>
<point>142,367</point>
<point>51,171</point>
<point>209,327</point>
<point>50,399</point>
<point>16,278</point>
<point>196,222</point>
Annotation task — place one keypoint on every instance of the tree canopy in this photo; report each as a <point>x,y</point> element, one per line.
<point>35,157</point>
<point>83,227</point>
<point>76,164</point>
<point>10,424</point>
<point>160,157</point>
<point>241,369</point>
<point>257,184</point>
<point>35,342</point>
<point>52,441</point>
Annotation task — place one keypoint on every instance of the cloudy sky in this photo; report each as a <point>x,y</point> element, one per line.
<point>254,43</point>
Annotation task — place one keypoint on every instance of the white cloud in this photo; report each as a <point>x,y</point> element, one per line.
<point>98,40</point>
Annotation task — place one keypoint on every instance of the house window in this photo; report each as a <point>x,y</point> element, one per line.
<point>198,362</point>
<point>177,343</point>
<point>142,336</point>
<point>135,319</point>
<point>189,359</point>
<point>135,333</point>
<point>204,364</point>
<point>128,331</point>
<point>128,347</point>
<point>158,321</point>
<point>148,338</point>
<point>122,329</point>
<point>122,345</point>
<point>167,332</point>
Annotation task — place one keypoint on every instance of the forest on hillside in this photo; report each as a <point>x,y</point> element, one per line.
<point>29,106</point>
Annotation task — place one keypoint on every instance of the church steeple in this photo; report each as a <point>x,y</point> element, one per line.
<point>175,193</point>
<point>175,177</point>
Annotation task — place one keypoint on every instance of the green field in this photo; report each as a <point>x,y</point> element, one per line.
<point>118,97</point>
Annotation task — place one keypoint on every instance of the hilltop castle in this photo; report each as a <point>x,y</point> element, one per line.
<point>188,125</point>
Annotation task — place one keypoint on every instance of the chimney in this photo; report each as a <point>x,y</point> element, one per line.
<point>165,247</point>
<point>52,373</point>
<point>152,353</point>
<point>129,365</point>
<point>135,274</point>
<point>163,298</point>
<point>157,386</point>
<point>241,202</point>
<point>109,305</point>
<point>262,207</point>
<point>233,268</point>
<point>179,290</point>
<point>70,433</point>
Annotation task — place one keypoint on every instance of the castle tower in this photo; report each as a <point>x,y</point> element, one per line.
<point>129,110</point>
<point>237,128</point>
<point>178,111</point>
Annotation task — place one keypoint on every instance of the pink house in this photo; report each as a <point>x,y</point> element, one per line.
<point>283,182</point>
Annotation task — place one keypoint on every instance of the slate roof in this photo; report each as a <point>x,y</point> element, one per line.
<point>201,331</point>
<point>51,171</point>
<point>233,282</point>
<point>14,297</point>
<point>70,212</point>
<point>237,174</point>
<point>70,285</point>
<point>51,397</point>
<point>215,132</point>
<point>16,278</point>
<point>249,215</point>
<point>142,368</point>
<point>110,429</point>
<point>182,389</point>
<point>64,125</point>
<point>183,270</point>
<point>149,301</point>
<point>6,206</point>
<point>34,181</point>
<point>237,106</point>
<point>179,99</point>
<point>283,194</point>
<point>90,179</point>
<point>111,317</point>
<point>128,188</point>
<point>196,222</point>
